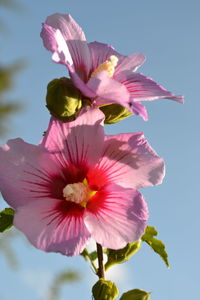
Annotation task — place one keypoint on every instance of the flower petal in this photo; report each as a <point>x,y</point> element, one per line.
<point>100,53</point>
<point>52,227</point>
<point>76,42</point>
<point>54,42</point>
<point>79,142</point>
<point>108,90</point>
<point>142,88</point>
<point>116,216</point>
<point>129,161</point>
<point>139,109</point>
<point>130,63</point>
<point>27,171</point>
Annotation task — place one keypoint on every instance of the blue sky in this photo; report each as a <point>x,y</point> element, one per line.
<point>167,32</point>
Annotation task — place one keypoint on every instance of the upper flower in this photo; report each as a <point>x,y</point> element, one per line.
<point>97,70</point>
<point>79,184</point>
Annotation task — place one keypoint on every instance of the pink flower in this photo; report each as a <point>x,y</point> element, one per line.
<point>79,184</point>
<point>97,70</point>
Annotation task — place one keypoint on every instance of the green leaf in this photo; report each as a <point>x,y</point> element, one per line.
<point>6,219</point>
<point>155,244</point>
<point>122,255</point>
<point>135,294</point>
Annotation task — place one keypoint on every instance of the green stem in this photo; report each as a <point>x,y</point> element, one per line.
<point>101,270</point>
<point>86,255</point>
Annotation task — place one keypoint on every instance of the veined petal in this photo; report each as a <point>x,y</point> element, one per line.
<point>54,42</point>
<point>27,171</point>
<point>130,63</point>
<point>116,216</point>
<point>100,53</point>
<point>76,42</point>
<point>142,88</point>
<point>52,227</point>
<point>79,142</point>
<point>108,90</point>
<point>139,109</point>
<point>129,161</point>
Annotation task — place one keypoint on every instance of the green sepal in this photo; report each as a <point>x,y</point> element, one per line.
<point>155,244</point>
<point>6,219</point>
<point>63,99</point>
<point>121,255</point>
<point>136,294</point>
<point>114,113</point>
<point>105,290</point>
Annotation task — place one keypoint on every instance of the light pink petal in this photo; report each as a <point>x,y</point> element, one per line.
<point>27,171</point>
<point>54,42</point>
<point>52,227</point>
<point>139,109</point>
<point>76,42</point>
<point>129,161</point>
<point>100,53</point>
<point>116,216</point>
<point>108,90</point>
<point>130,63</point>
<point>77,143</point>
<point>142,88</point>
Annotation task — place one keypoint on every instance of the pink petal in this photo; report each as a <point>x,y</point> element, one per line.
<point>139,109</point>
<point>142,88</point>
<point>79,142</point>
<point>116,216</point>
<point>130,63</point>
<point>108,90</point>
<point>129,161</point>
<point>54,42</point>
<point>76,42</point>
<point>52,227</point>
<point>100,53</point>
<point>27,171</point>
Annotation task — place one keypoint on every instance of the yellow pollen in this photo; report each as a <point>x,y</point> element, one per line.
<point>79,192</point>
<point>108,65</point>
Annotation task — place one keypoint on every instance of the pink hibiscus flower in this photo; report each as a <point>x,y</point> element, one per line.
<point>79,184</point>
<point>97,70</point>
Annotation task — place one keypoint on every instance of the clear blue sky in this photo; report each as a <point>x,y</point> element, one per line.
<point>168,33</point>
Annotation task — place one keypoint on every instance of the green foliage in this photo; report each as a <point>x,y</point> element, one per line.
<point>135,294</point>
<point>105,290</point>
<point>155,244</point>
<point>6,247</point>
<point>114,113</point>
<point>6,219</point>
<point>122,255</point>
<point>62,279</point>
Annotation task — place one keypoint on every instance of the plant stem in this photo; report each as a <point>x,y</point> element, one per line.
<point>101,270</point>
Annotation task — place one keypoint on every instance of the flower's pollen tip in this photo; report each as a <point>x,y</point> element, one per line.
<point>108,65</point>
<point>75,192</point>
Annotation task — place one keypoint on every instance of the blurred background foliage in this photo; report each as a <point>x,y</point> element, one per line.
<point>7,108</point>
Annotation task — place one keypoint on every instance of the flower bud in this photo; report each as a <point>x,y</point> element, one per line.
<point>104,290</point>
<point>135,294</point>
<point>63,99</point>
<point>114,113</point>
<point>122,255</point>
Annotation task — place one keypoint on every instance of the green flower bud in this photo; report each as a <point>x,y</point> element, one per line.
<point>104,290</point>
<point>63,99</point>
<point>135,294</point>
<point>122,255</point>
<point>114,113</point>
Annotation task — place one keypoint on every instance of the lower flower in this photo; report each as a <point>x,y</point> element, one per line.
<point>79,184</point>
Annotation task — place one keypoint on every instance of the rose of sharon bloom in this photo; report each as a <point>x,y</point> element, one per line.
<point>97,70</point>
<point>79,184</point>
